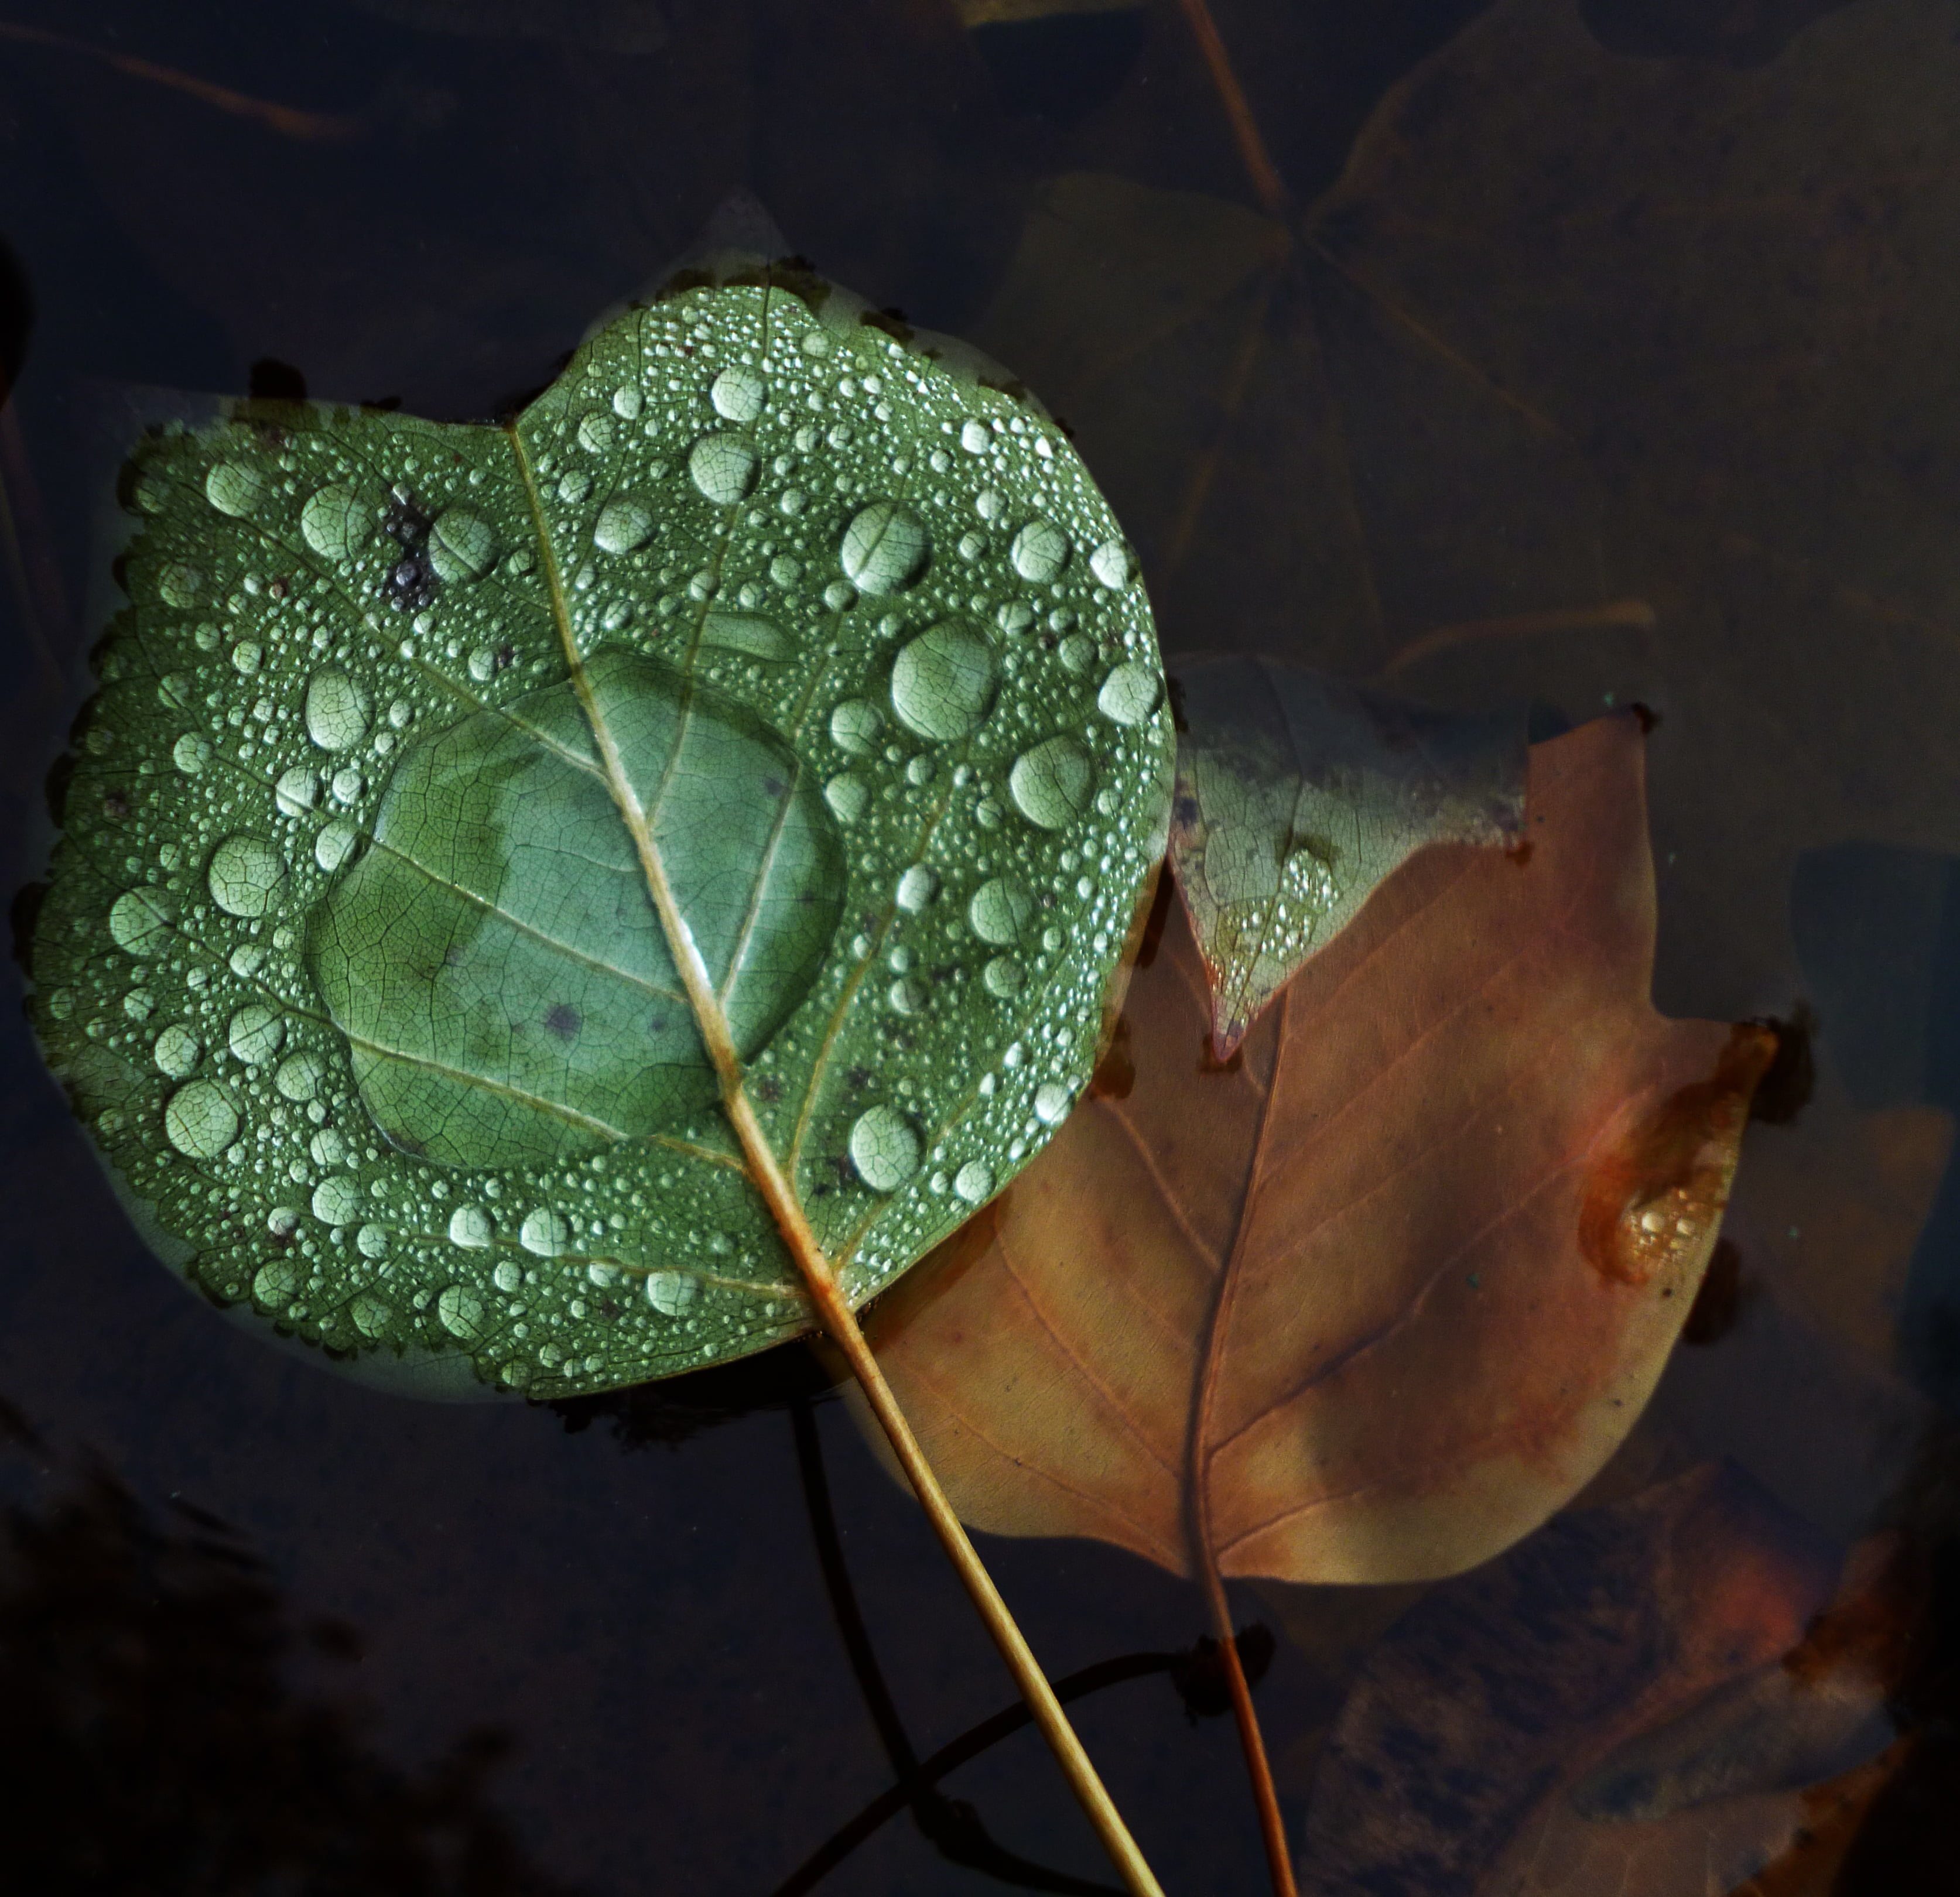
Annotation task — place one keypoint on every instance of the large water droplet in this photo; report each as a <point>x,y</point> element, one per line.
<point>275,1284</point>
<point>1130,693</point>
<point>627,402</point>
<point>885,547</point>
<point>256,1033</point>
<point>1052,1101</point>
<point>1039,552</point>
<point>337,1200</point>
<point>336,710</point>
<point>371,1241</point>
<point>847,796</point>
<point>372,1315</point>
<point>855,726</point>
<point>140,922</point>
<point>177,1052</point>
<point>178,585</point>
<point>508,1275</point>
<point>545,1232</point>
<point>738,394</point>
<point>672,1293</point>
<point>233,488</point>
<point>943,681</point>
<point>471,1227</point>
<point>300,1075</point>
<point>334,844</point>
<point>459,1310</point>
<point>975,438</point>
<point>334,523</point>
<point>917,887</point>
<point>1000,909</point>
<point>1112,564</point>
<point>907,995</point>
<point>723,468</point>
<point>190,753</point>
<point>623,524</point>
<point>246,876</point>
<point>461,545</point>
<point>1051,785</point>
<point>199,1121</point>
<point>759,636</point>
<point>297,790</point>
<point>1003,977</point>
<point>595,432</point>
<point>884,1148</point>
<point>973,1181</point>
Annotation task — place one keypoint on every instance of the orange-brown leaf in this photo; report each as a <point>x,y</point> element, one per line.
<point>1434,1228</point>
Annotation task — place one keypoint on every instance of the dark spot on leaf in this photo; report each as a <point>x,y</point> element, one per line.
<point>1200,1675</point>
<point>657,1026</point>
<point>1520,852</point>
<point>1677,1150</point>
<point>410,583</point>
<point>507,656</point>
<point>115,805</point>
<point>1154,925</point>
<point>1208,1062</point>
<point>562,1019</point>
<point>452,957</point>
<point>1785,1090</point>
<point>858,1077</point>
<point>775,787</point>
<point>1719,1301</point>
<point>1115,1073</point>
<point>768,1090</point>
<point>1184,811</point>
<point>892,321</point>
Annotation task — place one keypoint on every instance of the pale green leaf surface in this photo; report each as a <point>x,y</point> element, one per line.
<point>1297,794</point>
<point>347,958</point>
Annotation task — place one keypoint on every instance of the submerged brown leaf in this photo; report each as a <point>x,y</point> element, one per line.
<point>1450,1767</point>
<point>1595,377</point>
<point>1376,1296</point>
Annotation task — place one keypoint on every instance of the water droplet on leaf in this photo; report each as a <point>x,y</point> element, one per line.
<point>884,1148</point>
<point>199,1121</point>
<point>723,468</point>
<point>246,876</point>
<point>738,394</point>
<point>1039,552</point>
<point>1052,784</point>
<point>943,682</point>
<point>884,549</point>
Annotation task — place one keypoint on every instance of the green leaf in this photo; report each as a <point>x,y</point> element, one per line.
<point>763,632</point>
<point>1297,794</point>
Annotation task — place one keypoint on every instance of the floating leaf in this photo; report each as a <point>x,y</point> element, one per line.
<point>1392,1282</point>
<point>1447,1766</point>
<point>1297,795</point>
<point>419,748</point>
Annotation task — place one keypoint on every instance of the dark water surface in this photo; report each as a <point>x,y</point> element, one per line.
<point>381,1646</point>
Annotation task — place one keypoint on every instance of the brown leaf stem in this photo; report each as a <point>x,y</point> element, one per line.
<point>289,121</point>
<point>1204,1567</point>
<point>832,1308</point>
<point>1259,166</point>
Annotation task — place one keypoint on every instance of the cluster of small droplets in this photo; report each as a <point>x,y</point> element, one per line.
<point>911,578</point>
